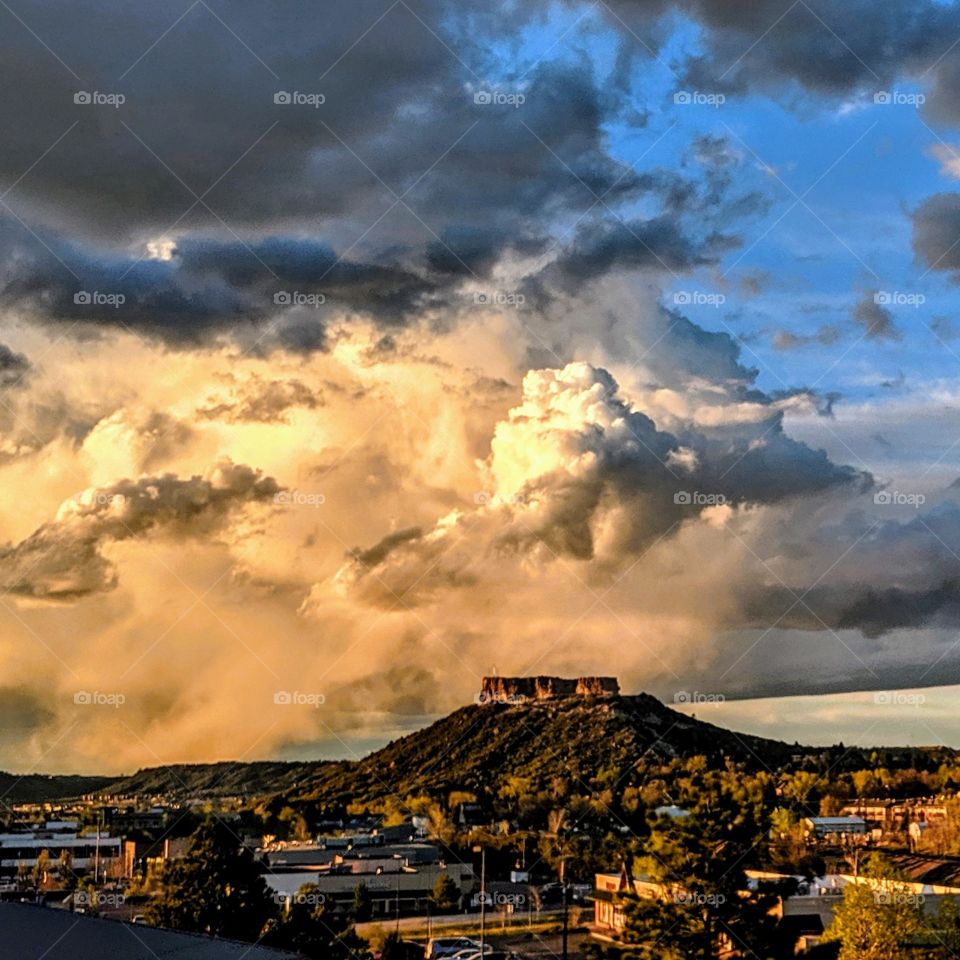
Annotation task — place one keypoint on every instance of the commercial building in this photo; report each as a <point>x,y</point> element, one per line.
<point>89,852</point>
<point>393,887</point>
<point>834,827</point>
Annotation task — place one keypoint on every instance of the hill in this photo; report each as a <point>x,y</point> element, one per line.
<point>577,736</point>
<point>580,738</point>
<point>224,779</point>
<point>35,787</point>
<point>478,748</point>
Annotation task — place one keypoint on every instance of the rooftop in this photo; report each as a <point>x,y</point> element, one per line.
<point>31,931</point>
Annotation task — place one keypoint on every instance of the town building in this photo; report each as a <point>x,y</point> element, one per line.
<point>821,828</point>
<point>608,892</point>
<point>89,852</point>
<point>394,889</point>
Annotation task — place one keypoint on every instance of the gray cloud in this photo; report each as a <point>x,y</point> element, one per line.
<point>876,320</point>
<point>827,48</point>
<point>258,401</point>
<point>900,574</point>
<point>62,558</point>
<point>13,367</point>
<point>936,226</point>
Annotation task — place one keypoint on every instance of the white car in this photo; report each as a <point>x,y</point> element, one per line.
<point>461,948</point>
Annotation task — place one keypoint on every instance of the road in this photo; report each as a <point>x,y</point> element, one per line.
<point>461,921</point>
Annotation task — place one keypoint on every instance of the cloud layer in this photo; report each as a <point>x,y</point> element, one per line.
<point>360,354</point>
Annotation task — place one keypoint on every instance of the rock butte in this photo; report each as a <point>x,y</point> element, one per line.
<point>517,689</point>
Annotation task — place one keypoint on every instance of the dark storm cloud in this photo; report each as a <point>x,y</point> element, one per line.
<point>381,550</point>
<point>641,244</point>
<point>23,711</point>
<point>206,287</point>
<point>398,170</point>
<point>829,48</point>
<point>895,575</point>
<point>397,120</point>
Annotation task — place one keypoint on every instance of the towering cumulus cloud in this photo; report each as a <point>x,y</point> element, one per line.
<point>575,471</point>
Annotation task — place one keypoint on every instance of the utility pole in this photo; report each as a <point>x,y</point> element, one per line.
<point>96,860</point>
<point>398,906</point>
<point>563,890</point>
<point>483,898</point>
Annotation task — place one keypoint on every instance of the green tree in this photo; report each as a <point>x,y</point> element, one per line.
<point>877,916</point>
<point>65,869</point>
<point>945,927</point>
<point>217,888</point>
<point>362,903</point>
<point>701,902</point>
<point>803,787</point>
<point>392,948</point>
<point>446,895</point>
<point>41,867</point>
<point>309,928</point>
<point>85,897</point>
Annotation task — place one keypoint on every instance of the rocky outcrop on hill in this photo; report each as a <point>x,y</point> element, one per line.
<point>522,689</point>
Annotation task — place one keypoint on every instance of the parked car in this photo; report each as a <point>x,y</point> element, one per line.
<point>449,947</point>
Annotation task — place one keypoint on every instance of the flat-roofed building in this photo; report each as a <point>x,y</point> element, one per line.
<point>407,890</point>
<point>821,827</point>
<point>87,851</point>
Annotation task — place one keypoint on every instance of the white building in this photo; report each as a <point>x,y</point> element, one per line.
<point>21,850</point>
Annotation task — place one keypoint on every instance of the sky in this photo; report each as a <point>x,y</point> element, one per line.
<point>348,355</point>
